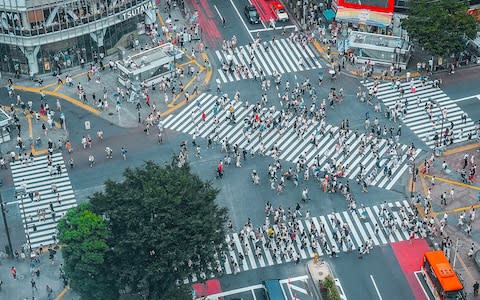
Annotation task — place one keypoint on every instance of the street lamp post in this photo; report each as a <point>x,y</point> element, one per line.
<point>414,178</point>
<point>7,231</point>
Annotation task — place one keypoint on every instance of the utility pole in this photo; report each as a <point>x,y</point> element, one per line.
<point>455,255</point>
<point>7,231</point>
<point>139,106</point>
<point>414,178</point>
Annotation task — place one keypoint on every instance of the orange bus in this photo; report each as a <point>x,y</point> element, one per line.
<point>442,280</point>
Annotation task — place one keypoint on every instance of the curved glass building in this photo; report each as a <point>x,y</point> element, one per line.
<point>39,36</point>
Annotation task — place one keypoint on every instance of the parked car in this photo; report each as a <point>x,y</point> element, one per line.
<point>252,15</point>
<point>279,12</point>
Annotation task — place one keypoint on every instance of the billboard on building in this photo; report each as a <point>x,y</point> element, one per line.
<point>384,6</point>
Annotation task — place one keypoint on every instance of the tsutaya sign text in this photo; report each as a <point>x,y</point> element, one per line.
<point>138,10</point>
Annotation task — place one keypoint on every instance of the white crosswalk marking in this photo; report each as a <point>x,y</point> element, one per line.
<point>361,229</point>
<point>36,178</point>
<point>417,118</point>
<point>281,55</point>
<point>290,145</point>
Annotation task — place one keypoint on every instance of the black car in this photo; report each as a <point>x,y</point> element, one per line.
<point>251,14</point>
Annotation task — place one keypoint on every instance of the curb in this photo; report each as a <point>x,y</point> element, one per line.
<point>357,73</point>
<point>62,293</point>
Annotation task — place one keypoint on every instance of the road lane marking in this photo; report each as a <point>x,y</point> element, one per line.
<point>453,182</point>
<point>236,291</point>
<point>467,98</point>
<point>297,288</point>
<point>218,12</point>
<point>376,288</point>
<point>420,283</point>
<point>58,95</point>
<point>298,278</point>
<point>271,29</point>
<point>241,19</point>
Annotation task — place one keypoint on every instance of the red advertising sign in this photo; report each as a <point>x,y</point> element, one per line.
<point>385,6</point>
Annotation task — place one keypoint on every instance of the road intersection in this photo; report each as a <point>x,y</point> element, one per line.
<point>367,278</point>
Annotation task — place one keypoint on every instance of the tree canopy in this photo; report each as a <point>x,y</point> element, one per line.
<point>163,225</point>
<point>84,236</point>
<point>440,26</point>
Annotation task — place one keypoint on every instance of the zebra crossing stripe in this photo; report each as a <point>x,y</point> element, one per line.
<point>392,232</point>
<point>36,177</point>
<point>289,67</point>
<point>231,252</point>
<point>360,231</point>
<point>298,55</point>
<point>280,55</point>
<point>371,234</point>
<point>327,225</point>
<point>372,217</point>
<point>290,144</point>
<point>258,59</point>
<point>307,241</point>
<point>416,118</point>
<point>338,217</point>
<point>352,229</point>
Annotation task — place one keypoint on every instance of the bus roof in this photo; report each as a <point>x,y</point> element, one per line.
<point>274,290</point>
<point>443,270</point>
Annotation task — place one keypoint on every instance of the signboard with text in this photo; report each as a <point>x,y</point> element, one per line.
<point>135,11</point>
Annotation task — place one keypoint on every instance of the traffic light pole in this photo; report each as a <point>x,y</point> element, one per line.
<point>7,231</point>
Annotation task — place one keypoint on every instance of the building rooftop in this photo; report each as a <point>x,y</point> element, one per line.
<point>4,118</point>
<point>380,40</point>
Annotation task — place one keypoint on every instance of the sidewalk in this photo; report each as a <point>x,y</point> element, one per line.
<point>21,288</point>
<point>465,200</point>
<point>32,137</point>
<point>127,116</point>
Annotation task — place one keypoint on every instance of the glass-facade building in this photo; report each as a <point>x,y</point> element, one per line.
<point>40,36</point>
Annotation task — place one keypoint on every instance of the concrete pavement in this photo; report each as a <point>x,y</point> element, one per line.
<point>464,201</point>
<point>128,114</point>
<point>21,288</point>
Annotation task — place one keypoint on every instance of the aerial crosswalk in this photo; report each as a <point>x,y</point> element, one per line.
<point>44,194</point>
<point>278,56</point>
<point>290,145</point>
<point>417,118</point>
<point>364,226</point>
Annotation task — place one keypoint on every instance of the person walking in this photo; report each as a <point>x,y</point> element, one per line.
<point>297,209</point>
<point>443,199</point>
<point>34,284</point>
<point>305,195</point>
<point>123,151</point>
<point>91,160</point>
<point>13,271</point>
<point>109,152</point>
<point>476,286</point>
<point>49,292</point>
<point>220,169</point>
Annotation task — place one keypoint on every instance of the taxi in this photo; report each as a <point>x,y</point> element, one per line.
<point>279,12</point>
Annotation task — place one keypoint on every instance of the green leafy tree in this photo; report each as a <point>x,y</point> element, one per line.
<point>164,225</point>
<point>440,26</point>
<point>84,237</point>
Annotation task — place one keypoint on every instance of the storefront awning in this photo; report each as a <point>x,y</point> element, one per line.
<point>363,16</point>
<point>329,15</point>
